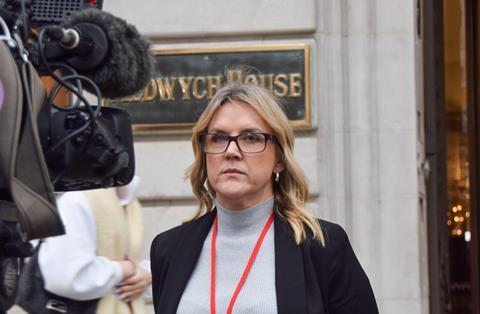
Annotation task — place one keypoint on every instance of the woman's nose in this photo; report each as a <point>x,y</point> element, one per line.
<point>233,149</point>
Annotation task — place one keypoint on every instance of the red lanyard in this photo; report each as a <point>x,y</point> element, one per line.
<point>245,272</point>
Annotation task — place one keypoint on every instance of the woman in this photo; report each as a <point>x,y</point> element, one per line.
<point>96,258</point>
<point>252,247</point>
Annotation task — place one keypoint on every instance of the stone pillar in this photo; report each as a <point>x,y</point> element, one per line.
<point>368,82</point>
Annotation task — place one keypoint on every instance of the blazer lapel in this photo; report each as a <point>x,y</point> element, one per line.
<point>289,270</point>
<point>183,262</point>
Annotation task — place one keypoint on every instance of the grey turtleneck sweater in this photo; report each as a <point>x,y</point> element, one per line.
<point>238,231</point>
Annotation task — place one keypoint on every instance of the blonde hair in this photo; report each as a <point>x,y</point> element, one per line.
<point>291,192</point>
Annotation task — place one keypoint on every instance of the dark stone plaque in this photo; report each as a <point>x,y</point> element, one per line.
<point>186,79</point>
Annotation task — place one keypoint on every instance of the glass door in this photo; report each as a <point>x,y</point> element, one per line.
<point>460,124</point>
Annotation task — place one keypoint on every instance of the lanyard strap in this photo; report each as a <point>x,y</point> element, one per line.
<point>245,272</point>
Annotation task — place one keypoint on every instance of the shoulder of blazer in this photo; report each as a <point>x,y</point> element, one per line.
<point>327,257</point>
<point>349,289</point>
<point>333,234</point>
<point>165,243</point>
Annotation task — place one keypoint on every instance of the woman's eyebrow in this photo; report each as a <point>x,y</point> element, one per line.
<point>250,130</point>
<point>246,130</point>
<point>216,130</point>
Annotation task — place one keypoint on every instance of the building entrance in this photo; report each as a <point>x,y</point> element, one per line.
<point>452,106</point>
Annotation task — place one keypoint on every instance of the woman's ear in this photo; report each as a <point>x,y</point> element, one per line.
<point>278,168</point>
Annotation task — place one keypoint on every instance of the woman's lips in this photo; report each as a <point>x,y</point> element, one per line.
<point>232,171</point>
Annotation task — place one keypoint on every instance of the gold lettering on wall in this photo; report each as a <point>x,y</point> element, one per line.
<point>251,79</point>
<point>266,82</point>
<point>136,98</point>
<point>166,87</point>
<point>214,83</point>
<point>150,92</point>
<point>280,82</point>
<point>234,75</point>
<point>295,85</point>
<point>205,87</point>
<point>185,83</point>
<point>195,88</point>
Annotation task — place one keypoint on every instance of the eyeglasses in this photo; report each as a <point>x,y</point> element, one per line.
<point>249,143</point>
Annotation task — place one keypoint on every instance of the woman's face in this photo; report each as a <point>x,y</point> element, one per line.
<point>241,180</point>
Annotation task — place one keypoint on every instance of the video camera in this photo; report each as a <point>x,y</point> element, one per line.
<point>46,146</point>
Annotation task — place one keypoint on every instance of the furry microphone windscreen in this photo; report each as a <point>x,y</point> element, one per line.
<point>129,64</point>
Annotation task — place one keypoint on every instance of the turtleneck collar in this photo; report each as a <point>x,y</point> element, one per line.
<point>248,219</point>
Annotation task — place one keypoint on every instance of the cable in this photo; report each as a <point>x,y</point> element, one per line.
<point>54,91</point>
<point>68,86</point>
<point>24,21</point>
<point>77,91</point>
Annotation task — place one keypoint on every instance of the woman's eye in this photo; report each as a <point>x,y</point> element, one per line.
<point>252,137</point>
<point>218,138</point>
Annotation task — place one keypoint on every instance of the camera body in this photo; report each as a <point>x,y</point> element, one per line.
<point>99,156</point>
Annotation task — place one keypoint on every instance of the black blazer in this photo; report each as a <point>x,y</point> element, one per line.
<point>309,278</point>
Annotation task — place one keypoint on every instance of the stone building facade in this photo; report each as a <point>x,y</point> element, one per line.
<point>363,156</point>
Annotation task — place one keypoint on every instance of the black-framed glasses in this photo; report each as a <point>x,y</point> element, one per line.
<point>250,143</point>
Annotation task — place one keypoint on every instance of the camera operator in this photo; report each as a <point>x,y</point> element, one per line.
<point>27,204</point>
<point>45,147</point>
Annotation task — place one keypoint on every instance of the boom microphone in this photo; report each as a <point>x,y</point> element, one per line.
<point>106,49</point>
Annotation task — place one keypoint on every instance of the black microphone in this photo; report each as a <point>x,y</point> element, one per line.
<point>104,48</point>
<point>68,38</point>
